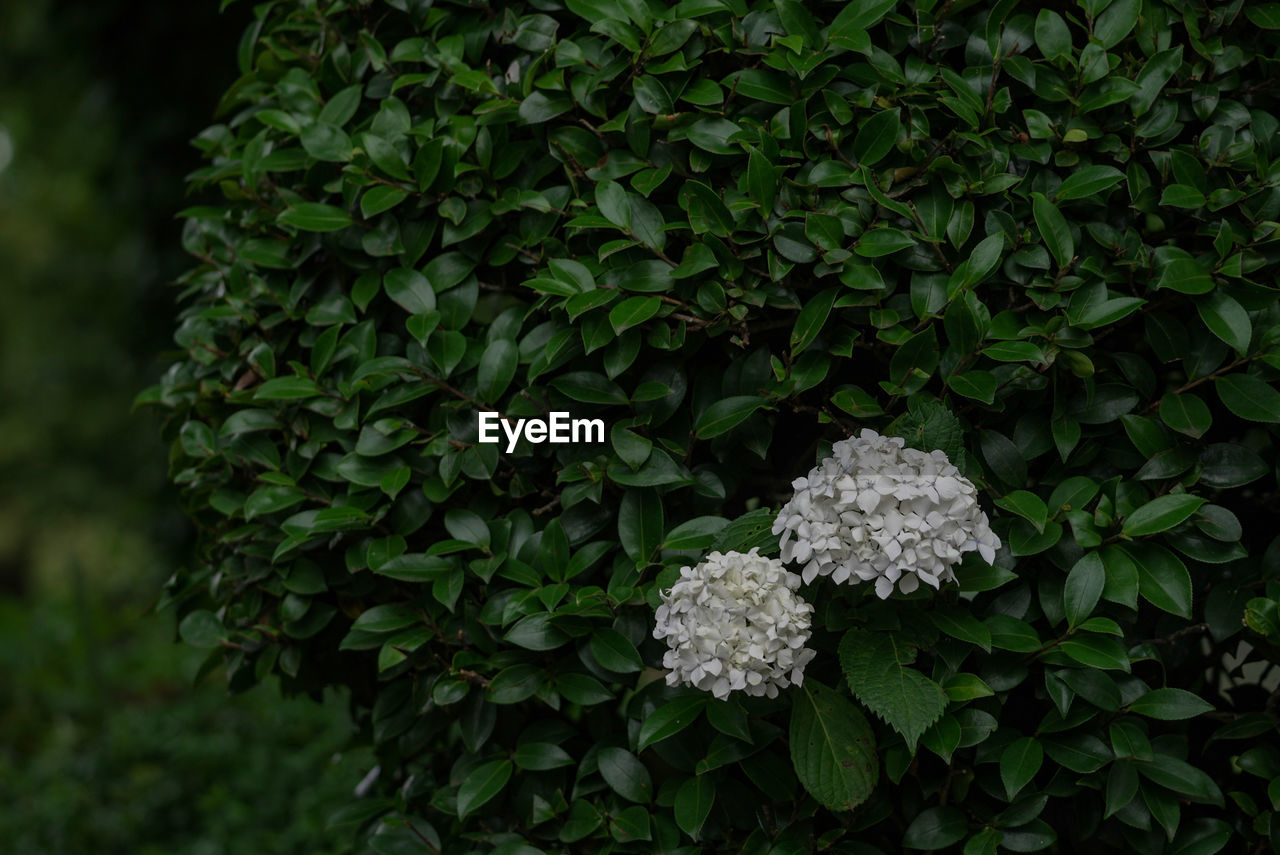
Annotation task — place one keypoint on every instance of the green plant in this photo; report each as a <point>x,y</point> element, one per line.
<point>1041,241</point>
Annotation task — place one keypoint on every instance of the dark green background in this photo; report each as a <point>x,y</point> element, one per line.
<point>105,747</point>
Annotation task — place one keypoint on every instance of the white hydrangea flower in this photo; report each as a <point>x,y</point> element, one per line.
<point>735,623</point>
<point>876,511</point>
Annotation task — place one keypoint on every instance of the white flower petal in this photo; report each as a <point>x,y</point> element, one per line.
<point>877,511</point>
<point>735,623</point>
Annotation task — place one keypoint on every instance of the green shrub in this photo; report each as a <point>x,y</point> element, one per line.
<point>105,748</point>
<point>1040,240</point>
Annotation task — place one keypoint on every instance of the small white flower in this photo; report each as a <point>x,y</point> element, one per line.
<point>735,623</point>
<point>876,511</point>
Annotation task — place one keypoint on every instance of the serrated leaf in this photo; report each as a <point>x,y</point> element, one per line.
<point>874,666</point>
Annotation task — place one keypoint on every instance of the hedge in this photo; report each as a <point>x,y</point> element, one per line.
<point>1042,241</point>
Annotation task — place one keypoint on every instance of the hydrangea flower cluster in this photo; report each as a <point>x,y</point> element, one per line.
<point>876,511</point>
<point>735,623</point>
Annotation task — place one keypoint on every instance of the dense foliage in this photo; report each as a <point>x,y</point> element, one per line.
<point>107,748</point>
<point>1041,240</point>
<point>104,746</point>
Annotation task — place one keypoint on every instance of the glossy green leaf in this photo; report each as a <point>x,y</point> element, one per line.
<point>1160,514</point>
<point>625,774</point>
<point>1019,763</point>
<point>832,747</point>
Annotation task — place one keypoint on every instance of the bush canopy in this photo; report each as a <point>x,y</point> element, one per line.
<point>1042,241</point>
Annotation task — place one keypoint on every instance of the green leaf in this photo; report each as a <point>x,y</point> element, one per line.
<point>287,389</point>
<point>640,524</point>
<point>876,136</point>
<point>1019,763</point>
<point>633,311</point>
<point>541,107</point>
<point>1083,588</point>
<point>589,387</point>
<point>410,290</point>
<point>668,719</point>
<point>1170,704</point>
<point>1230,465</point>
<point>1186,413</point>
<point>1226,319</point>
<point>1053,229</point>
<point>1027,505</point>
<point>936,828</point>
<point>959,623</point>
<point>480,787</point>
<point>1153,77</point>
<point>314,217</point>
<point>762,180</point>
<point>630,824</point>
<point>201,628</point>
<point>1182,778</point>
<point>979,385</point>
<point>536,632</point>
<point>860,16</point>
<point>1264,15</point>
<point>1187,276</point>
<point>625,774</point>
<point>726,414</point>
<point>984,259</point>
<point>614,651</point>
<point>385,156</point>
<point>467,526</point>
<point>1204,835</point>
<point>1088,181</point>
<point>1161,514</point>
<point>1249,397</point>
<point>497,368</point>
<point>874,666</point>
<point>832,747</point>
<point>414,567</point>
<point>326,141</point>
<point>1096,651</point>
<point>541,756</point>
<point>1116,22</point>
<point>882,241</point>
<point>713,135</point>
<point>1182,196</point>
<point>1163,579</point>
<point>1052,36</point>
<point>582,689</point>
<point>752,529</point>
<point>919,353</point>
<point>931,426</point>
<point>693,803</point>
<point>388,617</point>
<point>381,198</point>
<point>810,320</point>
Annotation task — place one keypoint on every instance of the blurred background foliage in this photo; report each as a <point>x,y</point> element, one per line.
<point>105,746</point>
